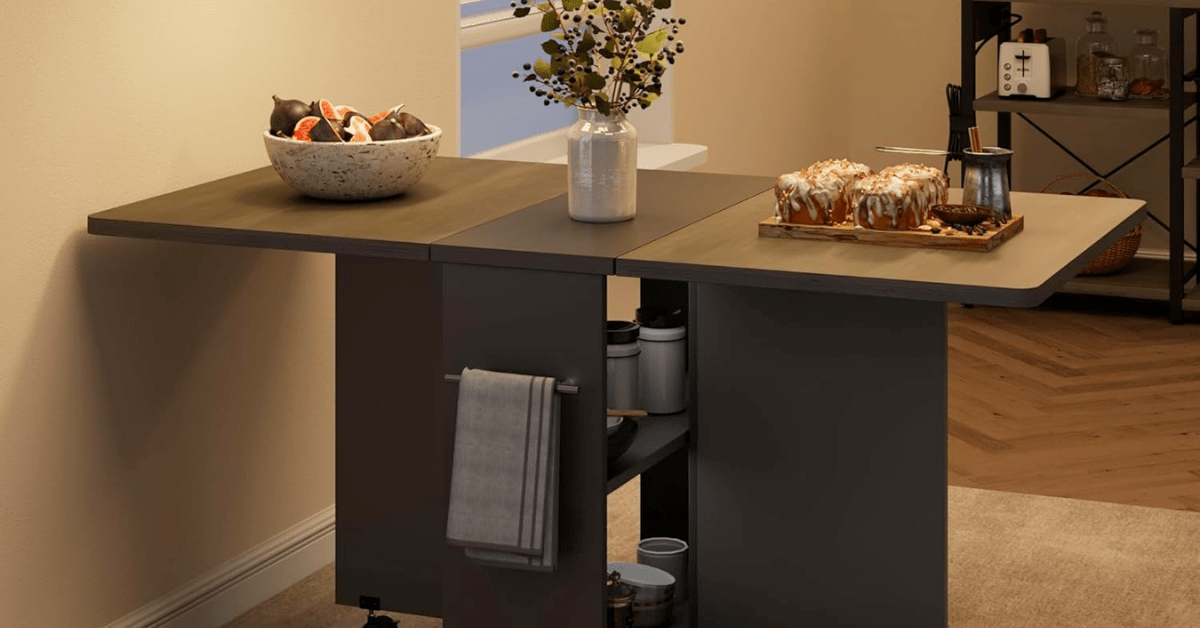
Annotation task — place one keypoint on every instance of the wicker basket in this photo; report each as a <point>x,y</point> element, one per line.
<point>1118,255</point>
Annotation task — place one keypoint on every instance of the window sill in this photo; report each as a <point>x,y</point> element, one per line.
<point>548,148</point>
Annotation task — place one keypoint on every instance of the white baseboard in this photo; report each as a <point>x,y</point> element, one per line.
<point>217,597</point>
<point>1163,254</point>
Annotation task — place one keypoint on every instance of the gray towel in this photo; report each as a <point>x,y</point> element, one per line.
<point>502,455</point>
<point>549,558</point>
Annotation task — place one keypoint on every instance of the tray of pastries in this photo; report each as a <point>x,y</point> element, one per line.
<point>903,205</point>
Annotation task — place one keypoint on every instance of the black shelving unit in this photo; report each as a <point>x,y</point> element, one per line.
<point>1157,280</point>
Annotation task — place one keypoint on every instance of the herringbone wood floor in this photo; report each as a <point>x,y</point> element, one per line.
<point>1090,399</point>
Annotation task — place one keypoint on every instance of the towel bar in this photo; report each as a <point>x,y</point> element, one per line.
<point>563,389</point>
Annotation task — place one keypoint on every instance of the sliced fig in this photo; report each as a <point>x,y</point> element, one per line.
<point>341,111</point>
<point>354,114</point>
<point>326,130</point>
<point>304,127</point>
<point>326,110</point>
<point>388,129</point>
<point>385,113</point>
<point>285,115</point>
<point>359,129</point>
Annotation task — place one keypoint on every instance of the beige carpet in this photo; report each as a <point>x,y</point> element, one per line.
<point>1016,561</point>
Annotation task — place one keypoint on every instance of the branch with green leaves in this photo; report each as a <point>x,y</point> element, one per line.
<point>607,55</point>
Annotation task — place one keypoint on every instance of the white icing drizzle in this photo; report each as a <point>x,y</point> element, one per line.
<point>818,188</point>
<point>937,186</point>
<point>888,202</point>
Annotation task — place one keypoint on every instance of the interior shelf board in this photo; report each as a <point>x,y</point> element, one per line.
<point>1071,103</point>
<point>658,436</point>
<point>1191,170</point>
<point>1144,278</point>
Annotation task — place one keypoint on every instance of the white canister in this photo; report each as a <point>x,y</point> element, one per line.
<point>669,555</point>
<point>623,353</point>
<point>663,364</point>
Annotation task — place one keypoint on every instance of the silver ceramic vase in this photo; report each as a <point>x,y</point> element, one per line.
<point>601,168</point>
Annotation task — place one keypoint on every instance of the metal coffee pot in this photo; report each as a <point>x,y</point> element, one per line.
<point>985,181</point>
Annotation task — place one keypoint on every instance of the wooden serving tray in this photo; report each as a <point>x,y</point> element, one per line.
<point>772,228</point>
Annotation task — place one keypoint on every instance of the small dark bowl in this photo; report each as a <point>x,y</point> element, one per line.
<point>961,214</point>
<point>622,439</point>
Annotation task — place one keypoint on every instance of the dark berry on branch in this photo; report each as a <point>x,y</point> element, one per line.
<point>527,67</point>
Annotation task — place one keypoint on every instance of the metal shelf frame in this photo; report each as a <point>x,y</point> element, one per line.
<point>979,17</point>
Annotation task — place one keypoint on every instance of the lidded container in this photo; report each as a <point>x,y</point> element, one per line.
<point>622,360</point>
<point>1112,79</point>
<point>654,593</point>
<point>662,370</point>
<point>1090,48</point>
<point>1146,60</point>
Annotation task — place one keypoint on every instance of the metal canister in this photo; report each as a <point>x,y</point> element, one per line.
<point>618,602</point>
<point>985,181</point>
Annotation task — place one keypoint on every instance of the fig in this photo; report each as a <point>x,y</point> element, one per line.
<point>304,128</point>
<point>326,110</point>
<point>388,129</point>
<point>412,125</point>
<point>359,128</point>
<point>326,130</point>
<point>341,111</point>
<point>285,115</point>
<point>385,113</point>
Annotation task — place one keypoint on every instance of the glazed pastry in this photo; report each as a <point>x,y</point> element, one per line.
<point>935,187</point>
<point>817,194</point>
<point>889,202</point>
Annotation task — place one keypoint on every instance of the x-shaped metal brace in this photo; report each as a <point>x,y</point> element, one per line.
<point>1114,171</point>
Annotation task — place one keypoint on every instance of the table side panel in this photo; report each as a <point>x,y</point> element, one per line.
<point>544,237</point>
<point>538,323</point>
<point>821,460</point>
<point>391,449</point>
<point>258,209</point>
<point>1062,233</point>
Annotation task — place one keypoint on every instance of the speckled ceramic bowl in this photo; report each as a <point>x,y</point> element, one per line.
<point>353,171</point>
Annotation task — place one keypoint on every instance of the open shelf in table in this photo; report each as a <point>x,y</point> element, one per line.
<point>658,436</point>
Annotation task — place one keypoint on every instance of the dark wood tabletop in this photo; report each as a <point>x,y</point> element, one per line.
<point>544,237</point>
<point>258,209</point>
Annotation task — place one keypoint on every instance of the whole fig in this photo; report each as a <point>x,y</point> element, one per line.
<point>412,125</point>
<point>285,115</point>
<point>388,129</point>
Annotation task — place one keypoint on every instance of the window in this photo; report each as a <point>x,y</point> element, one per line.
<point>500,119</point>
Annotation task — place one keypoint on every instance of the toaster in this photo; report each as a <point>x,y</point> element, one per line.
<point>1032,70</point>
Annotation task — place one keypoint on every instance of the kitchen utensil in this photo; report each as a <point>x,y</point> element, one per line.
<point>913,151</point>
<point>669,555</point>
<point>986,181</point>
<point>621,438</point>
<point>618,602</point>
<point>961,214</point>
<point>654,589</point>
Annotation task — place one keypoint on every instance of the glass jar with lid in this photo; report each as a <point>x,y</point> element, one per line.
<point>1147,66</point>
<point>1090,50</point>
<point>1112,79</point>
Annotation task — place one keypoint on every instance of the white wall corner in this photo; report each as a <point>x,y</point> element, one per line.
<point>233,588</point>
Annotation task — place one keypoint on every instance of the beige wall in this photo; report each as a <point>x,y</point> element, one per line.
<point>765,85</point>
<point>165,407</point>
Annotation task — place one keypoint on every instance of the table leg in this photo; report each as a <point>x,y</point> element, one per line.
<point>392,453</point>
<point>821,459</point>
<point>540,323</point>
